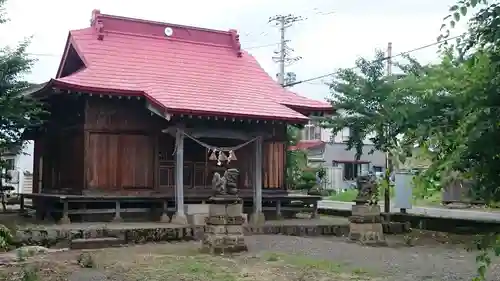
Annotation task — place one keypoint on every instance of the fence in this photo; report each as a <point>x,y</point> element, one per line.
<point>333,178</point>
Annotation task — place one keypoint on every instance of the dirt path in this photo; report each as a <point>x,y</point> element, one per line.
<point>401,264</point>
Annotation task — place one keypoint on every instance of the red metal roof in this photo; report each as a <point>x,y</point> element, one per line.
<point>194,70</point>
<point>306,144</point>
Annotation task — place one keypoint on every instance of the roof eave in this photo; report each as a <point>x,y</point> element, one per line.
<point>70,86</point>
<point>323,109</point>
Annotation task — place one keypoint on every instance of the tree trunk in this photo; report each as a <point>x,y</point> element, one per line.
<point>2,193</point>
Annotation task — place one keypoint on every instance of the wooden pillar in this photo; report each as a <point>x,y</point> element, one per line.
<point>179,216</point>
<point>258,216</point>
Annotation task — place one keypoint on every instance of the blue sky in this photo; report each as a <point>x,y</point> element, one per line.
<point>346,31</point>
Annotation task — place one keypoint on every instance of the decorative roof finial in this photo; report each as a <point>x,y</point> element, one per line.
<point>95,13</point>
<point>236,41</point>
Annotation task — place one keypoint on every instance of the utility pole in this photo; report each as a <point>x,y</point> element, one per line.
<point>387,194</point>
<point>284,56</point>
<point>281,77</point>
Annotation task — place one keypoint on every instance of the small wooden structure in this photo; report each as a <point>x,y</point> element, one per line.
<point>136,111</point>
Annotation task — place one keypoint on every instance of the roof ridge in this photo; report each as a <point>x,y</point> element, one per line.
<point>226,32</point>
<point>173,39</point>
<point>103,23</point>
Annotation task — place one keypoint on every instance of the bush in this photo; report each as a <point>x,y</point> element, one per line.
<point>307,180</point>
<point>85,260</point>
<point>6,238</point>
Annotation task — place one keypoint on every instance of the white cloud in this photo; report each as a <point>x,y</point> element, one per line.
<point>355,28</point>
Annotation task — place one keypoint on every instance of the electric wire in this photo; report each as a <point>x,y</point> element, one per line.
<point>377,60</point>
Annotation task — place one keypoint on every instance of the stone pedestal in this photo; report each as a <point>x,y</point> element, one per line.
<point>224,226</point>
<point>365,225</point>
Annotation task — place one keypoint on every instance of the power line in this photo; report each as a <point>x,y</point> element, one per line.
<point>377,60</point>
<point>284,53</point>
<point>308,16</point>
<point>262,46</point>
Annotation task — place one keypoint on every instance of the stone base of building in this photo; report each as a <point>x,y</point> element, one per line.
<point>224,231</point>
<point>365,225</point>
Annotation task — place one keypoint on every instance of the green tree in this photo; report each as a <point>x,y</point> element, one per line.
<point>296,160</point>
<point>17,111</point>
<point>369,105</point>
<point>460,106</point>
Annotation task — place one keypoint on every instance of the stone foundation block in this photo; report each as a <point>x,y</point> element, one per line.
<point>222,244</point>
<point>216,229</point>
<point>234,229</point>
<point>365,210</point>
<point>179,219</point>
<point>367,233</point>
<point>216,210</point>
<point>257,218</point>
<point>197,219</point>
<point>234,210</point>
<point>191,209</point>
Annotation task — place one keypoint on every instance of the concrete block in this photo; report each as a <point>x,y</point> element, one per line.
<point>234,210</point>
<point>234,229</point>
<point>197,219</point>
<point>217,210</point>
<point>191,209</point>
<point>365,210</point>
<point>216,229</point>
<point>365,227</point>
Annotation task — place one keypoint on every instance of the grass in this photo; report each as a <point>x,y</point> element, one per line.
<point>434,199</point>
<point>348,196</point>
<point>321,265</point>
<point>182,261</point>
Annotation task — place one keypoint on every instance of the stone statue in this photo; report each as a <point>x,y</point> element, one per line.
<point>227,184</point>
<point>367,189</point>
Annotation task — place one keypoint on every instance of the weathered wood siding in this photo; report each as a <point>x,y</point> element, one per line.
<point>120,161</point>
<point>120,145</point>
<point>198,169</point>
<point>274,164</point>
<point>59,150</point>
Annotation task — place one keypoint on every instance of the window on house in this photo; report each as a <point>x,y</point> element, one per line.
<point>344,134</point>
<point>377,169</point>
<point>350,171</point>
<point>353,170</point>
<point>312,132</point>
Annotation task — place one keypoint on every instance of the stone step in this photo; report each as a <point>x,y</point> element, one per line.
<point>96,243</point>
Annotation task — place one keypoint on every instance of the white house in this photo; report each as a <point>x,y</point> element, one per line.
<point>329,150</point>
<point>19,167</point>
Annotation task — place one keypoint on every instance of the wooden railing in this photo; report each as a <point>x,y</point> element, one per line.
<point>197,175</point>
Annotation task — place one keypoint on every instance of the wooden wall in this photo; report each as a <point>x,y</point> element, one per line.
<point>94,143</point>
<point>274,164</point>
<point>120,145</point>
<point>58,152</point>
<point>198,169</point>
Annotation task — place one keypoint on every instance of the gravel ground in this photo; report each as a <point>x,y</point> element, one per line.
<point>399,264</point>
<point>429,263</point>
